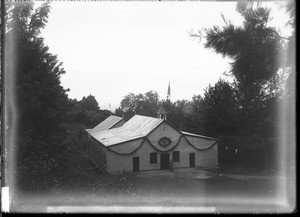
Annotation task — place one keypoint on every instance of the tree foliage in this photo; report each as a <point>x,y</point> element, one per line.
<point>39,94</point>
<point>42,103</point>
<point>143,104</point>
<point>178,113</point>
<point>89,103</point>
<point>244,114</point>
<point>255,48</point>
<point>86,112</point>
<point>220,107</point>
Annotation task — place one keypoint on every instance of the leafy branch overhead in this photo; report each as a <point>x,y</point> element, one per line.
<point>255,49</point>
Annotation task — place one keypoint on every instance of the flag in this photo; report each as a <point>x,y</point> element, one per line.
<point>169,91</point>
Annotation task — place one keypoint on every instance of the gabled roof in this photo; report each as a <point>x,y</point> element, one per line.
<point>107,124</point>
<point>197,135</point>
<point>142,124</point>
<point>138,126</point>
<point>161,110</point>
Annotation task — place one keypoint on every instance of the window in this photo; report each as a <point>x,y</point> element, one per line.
<point>176,156</point>
<point>153,158</point>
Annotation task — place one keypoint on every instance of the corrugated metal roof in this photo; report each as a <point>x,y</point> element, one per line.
<point>197,135</point>
<point>142,124</point>
<point>106,124</point>
<point>138,126</point>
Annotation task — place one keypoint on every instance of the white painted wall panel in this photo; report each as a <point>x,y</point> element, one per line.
<point>124,163</point>
<point>200,142</point>
<point>164,130</point>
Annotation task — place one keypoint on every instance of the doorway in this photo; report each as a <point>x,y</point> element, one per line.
<point>164,161</point>
<point>136,164</point>
<point>192,159</point>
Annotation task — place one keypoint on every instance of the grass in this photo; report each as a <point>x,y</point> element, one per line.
<point>82,175</point>
<point>69,170</point>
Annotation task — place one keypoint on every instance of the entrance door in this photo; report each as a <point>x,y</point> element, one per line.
<point>136,164</point>
<point>192,159</point>
<point>164,161</point>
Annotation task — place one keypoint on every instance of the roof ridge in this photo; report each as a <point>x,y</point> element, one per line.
<point>198,135</point>
<point>114,116</point>
<point>137,127</point>
<point>145,116</point>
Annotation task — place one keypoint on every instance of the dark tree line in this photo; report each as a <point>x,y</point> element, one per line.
<point>87,112</point>
<point>43,106</point>
<point>43,102</point>
<point>34,75</point>
<point>142,104</point>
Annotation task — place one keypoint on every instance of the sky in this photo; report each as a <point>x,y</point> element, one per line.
<point>110,49</point>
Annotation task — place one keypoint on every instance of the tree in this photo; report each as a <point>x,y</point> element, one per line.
<point>33,82</point>
<point>86,112</point>
<point>255,49</point>
<point>287,100</point>
<point>219,109</point>
<point>119,112</point>
<point>178,113</point>
<point>142,104</point>
<point>197,114</point>
<point>43,100</point>
<point>131,101</point>
<point>289,56</point>
<point>89,103</point>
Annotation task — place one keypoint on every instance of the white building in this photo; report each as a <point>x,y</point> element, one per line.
<point>146,143</point>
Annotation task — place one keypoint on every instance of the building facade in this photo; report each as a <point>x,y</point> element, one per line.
<point>145,143</point>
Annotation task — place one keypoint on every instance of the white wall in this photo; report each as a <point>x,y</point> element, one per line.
<point>164,130</point>
<point>126,147</point>
<point>120,163</point>
<point>98,154</point>
<point>200,142</point>
<point>124,163</point>
<point>208,158</point>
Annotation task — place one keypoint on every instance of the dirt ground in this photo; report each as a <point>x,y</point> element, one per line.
<point>231,190</point>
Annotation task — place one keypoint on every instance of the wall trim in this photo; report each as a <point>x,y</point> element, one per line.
<point>146,139</point>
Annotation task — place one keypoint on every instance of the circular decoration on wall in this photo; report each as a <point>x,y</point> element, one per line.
<point>164,142</point>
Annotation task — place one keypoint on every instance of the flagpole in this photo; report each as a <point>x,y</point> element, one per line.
<point>169,92</point>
